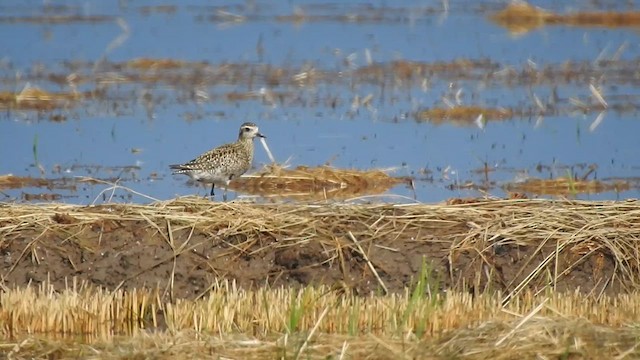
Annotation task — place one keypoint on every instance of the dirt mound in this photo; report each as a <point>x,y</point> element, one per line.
<point>186,244</point>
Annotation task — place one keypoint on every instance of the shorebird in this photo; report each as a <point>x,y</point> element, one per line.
<point>220,165</point>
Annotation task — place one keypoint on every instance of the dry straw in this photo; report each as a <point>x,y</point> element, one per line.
<point>567,186</point>
<point>311,322</point>
<point>520,17</point>
<point>576,228</point>
<point>316,183</point>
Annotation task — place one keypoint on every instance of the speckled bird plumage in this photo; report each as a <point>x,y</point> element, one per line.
<point>220,165</point>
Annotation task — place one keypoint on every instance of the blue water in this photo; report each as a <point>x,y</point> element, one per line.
<point>307,132</point>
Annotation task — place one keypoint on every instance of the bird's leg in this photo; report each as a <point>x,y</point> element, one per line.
<point>212,195</point>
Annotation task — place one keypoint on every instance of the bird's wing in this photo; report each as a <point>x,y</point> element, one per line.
<point>207,160</point>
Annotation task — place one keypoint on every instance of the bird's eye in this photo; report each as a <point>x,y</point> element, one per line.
<point>246,129</point>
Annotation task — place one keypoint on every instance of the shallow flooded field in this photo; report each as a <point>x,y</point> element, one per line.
<point>454,99</point>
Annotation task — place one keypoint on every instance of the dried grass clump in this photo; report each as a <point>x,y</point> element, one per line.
<point>566,186</point>
<point>315,183</point>
<point>33,98</point>
<point>577,229</point>
<point>154,64</point>
<point>17,182</point>
<point>521,17</point>
<point>463,115</point>
<point>606,19</point>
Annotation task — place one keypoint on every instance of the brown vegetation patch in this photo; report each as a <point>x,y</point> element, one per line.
<point>40,197</point>
<point>155,64</point>
<point>18,182</point>
<point>464,115</point>
<point>321,12</point>
<point>404,70</point>
<point>566,186</point>
<point>33,98</point>
<point>520,17</point>
<point>315,183</point>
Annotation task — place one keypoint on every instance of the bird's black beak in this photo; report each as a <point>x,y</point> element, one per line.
<point>260,135</point>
